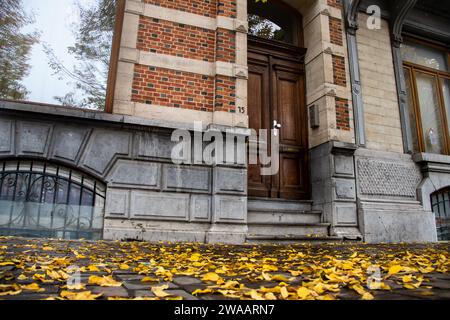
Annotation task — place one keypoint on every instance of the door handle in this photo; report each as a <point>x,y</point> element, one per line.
<point>276,127</point>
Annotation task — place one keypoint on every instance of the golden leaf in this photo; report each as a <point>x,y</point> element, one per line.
<point>84,295</point>
<point>279,277</point>
<point>407,278</point>
<point>367,296</point>
<point>76,286</point>
<point>303,293</point>
<point>159,291</point>
<point>230,284</point>
<point>211,276</point>
<point>9,289</point>
<point>284,293</point>
<point>295,273</point>
<point>269,267</point>
<point>149,279</point>
<point>124,266</point>
<point>395,269</point>
<point>105,281</point>
<point>229,293</point>
<point>55,275</point>
<point>255,295</point>
<point>93,268</point>
<point>32,287</point>
<point>426,269</point>
<point>270,296</point>
<point>22,277</point>
<point>359,289</point>
<point>201,291</point>
<point>40,277</point>
<point>195,257</point>
<point>266,276</point>
<point>7,263</point>
<point>348,265</point>
<point>412,286</point>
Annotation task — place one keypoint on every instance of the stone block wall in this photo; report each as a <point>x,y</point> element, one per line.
<point>382,115</point>
<point>148,197</point>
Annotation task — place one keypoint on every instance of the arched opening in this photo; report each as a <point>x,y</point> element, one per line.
<point>440,204</point>
<point>277,97</point>
<point>275,20</point>
<point>42,199</point>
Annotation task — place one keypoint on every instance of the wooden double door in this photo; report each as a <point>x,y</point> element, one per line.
<point>276,99</point>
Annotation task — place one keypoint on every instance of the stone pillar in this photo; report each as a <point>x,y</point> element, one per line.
<point>334,187</point>
<point>229,190</point>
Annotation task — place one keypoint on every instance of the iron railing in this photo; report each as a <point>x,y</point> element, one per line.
<point>40,199</point>
<point>440,203</point>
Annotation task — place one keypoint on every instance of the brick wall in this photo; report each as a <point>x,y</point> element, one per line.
<point>226,46</point>
<point>159,36</point>
<point>339,74</point>
<point>339,69</point>
<point>342,114</point>
<point>225,99</point>
<point>336,31</point>
<point>334,3</point>
<point>226,8</point>
<point>172,88</point>
<point>205,8</point>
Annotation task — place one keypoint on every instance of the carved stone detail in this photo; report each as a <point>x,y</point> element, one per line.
<point>386,178</point>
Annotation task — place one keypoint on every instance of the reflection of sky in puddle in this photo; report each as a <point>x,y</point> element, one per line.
<point>53,19</point>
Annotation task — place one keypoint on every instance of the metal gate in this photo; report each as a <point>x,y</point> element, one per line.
<point>440,203</point>
<point>40,199</point>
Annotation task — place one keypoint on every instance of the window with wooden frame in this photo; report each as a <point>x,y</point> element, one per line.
<point>60,52</point>
<point>427,76</point>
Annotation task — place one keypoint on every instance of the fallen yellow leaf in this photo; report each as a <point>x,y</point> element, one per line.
<point>32,287</point>
<point>105,281</point>
<point>149,279</point>
<point>284,293</point>
<point>124,266</point>
<point>159,291</point>
<point>211,276</point>
<point>201,291</point>
<point>303,293</point>
<point>367,296</point>
<point>255,295</point>
<point>394,269</point>
<point>9,289</point>
<point>84,295</point>
<point>270,296</point>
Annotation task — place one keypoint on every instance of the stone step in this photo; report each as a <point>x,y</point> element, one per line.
<point>264,239</point>
<point>289,229</point>
<point>286,216</point>
<point>256,204</point>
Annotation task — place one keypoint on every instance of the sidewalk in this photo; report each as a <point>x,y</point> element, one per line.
<point>50,269</point>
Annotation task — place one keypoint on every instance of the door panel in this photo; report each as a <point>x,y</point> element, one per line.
<point>288,109</point>
<point>276,93</point>
<point>258,98</point>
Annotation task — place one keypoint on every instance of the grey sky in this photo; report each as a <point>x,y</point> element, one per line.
<point>53,20</point>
